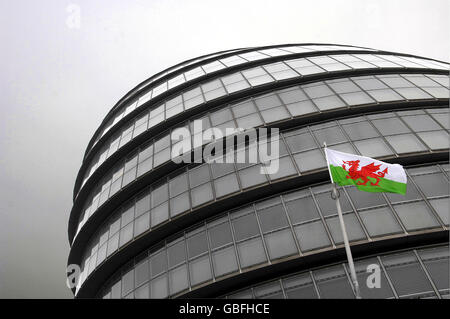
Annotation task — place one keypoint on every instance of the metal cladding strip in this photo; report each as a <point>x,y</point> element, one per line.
<point>152,237</point>
<point>85,191</point>
<point>207,58</point>
<point>94,150</point>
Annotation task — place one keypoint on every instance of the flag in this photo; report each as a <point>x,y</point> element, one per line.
<point>366,173</point>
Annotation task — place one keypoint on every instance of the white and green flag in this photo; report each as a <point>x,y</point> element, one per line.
<point>366,173</point>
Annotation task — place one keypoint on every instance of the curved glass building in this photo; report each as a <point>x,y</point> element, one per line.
<point>143,226</point>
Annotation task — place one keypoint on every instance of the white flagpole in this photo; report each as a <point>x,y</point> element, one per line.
<point>345,237</point>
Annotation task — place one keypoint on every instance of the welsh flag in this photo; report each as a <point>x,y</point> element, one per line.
<point>366,173</point>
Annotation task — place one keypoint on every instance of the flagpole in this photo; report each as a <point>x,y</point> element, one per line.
<point>335,196</point>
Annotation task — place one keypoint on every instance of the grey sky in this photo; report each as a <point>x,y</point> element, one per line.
<point>57,84</point>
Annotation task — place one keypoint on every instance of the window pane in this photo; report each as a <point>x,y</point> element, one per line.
<point>380,221</point>
<point>159,287</point>
<point>200,270</point>
<point>245,226</point>
<point>199,175</point>
<point>374,147</point>
<point>251,176</point>
<point>437,263</point>
<point>158,263</point>
<point>435,140</point>
<point>299,287</point>
<point>390,126</point>
<point>411,193</point>
<point>280,244</point>
<point>312,236</point>
<point>401,269</point>
<point>141,224</point>
<point>405,143</point>
<point>441,207</point>
<point>421,123</point>
<point>251,252</point>
<point>310,160</point>
<point>359,131</point>
<point>328,205</point>
<point>301,142</point>
<point>201,194</point>
<point>432,184</point>
<point>197,244</point>
<point>272,218</point>
<point>142,273</point>
<point>176,253</point>
<point>332,282</point>
<point>365,199</point>
<point>361,273</point>
<point>178,280</point>
<point>159,214</point>
<point>220,235</point>
<point>415,216</point>
<point>354,230</point>
<point>331,135</point>
<point>179,204</point>
<point>224,261</point>
<point>178,185</point>
<point>302,209</point>
<point>226,185</point>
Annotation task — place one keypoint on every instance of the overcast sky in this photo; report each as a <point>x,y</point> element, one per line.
<point>58,82</point>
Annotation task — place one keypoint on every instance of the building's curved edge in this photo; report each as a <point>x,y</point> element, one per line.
<point>171,227</point>
<point>179,117</point>
<point>133,94</point>
<point>327,115</point>
<point>130,94</point>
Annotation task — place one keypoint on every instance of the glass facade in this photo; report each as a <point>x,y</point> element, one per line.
<point>428,266</point>
<point>292,102</point>
<point>394,112</point>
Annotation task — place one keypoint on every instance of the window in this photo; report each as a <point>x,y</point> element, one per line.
<point>405,143</point>
<point>310,160</point>
<point>251,176</point>
<point>176,253</point>
<point>245,226</point>
<point>312,236</point>
<point>201,194</point>
<point>380,221</point>
<point>415,215</point>
<point>224,261</point>
<point>435,140</point>
<point>197,244</point>
<point>354,230</point>
<point>199,175</point>
<point>220,235</point>
<point>251,252</point>
<point>226,185</point>
<point>421,123</point>
<point>332,282</point>
<point>200,270</point>
<point>373,147</point>
<point>280,244</point>
<point>432,184</point>
<point>401,268</point>
<point>359,131</point>
<point>390,126</point>
<point>272,218</point>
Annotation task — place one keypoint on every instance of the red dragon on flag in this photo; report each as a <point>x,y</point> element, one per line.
<point>369,170</point>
